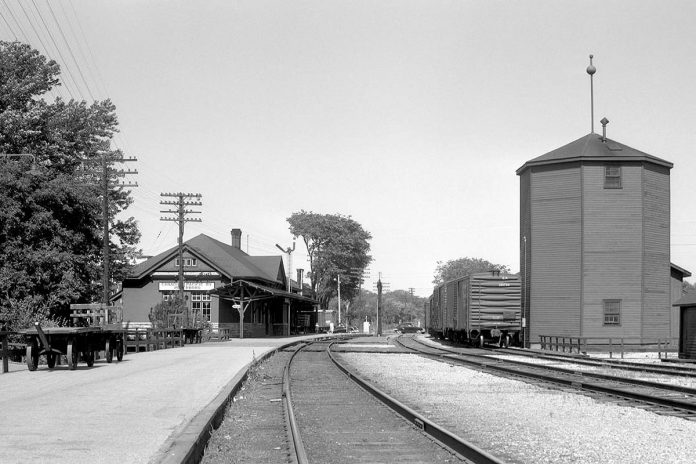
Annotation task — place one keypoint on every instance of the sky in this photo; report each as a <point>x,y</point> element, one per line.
<point>410,116</point>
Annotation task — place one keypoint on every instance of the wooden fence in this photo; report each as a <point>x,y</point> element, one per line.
<point>611,345</point>
<point>153,339</point>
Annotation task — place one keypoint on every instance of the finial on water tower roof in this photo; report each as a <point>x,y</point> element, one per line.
<point>591,70</point>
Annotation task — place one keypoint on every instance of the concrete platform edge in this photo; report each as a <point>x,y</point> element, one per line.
<point>188,445</point>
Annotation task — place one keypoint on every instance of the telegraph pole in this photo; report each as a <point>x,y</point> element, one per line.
<point>289,252</point>
<point>182,201</point>
<point>107,182</point>
<point>379,305</point>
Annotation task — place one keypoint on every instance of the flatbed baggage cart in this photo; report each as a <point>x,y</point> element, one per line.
<point>61,341</point>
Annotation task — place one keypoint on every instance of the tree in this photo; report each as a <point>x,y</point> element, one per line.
<point>50,205</point>
<point>452,269</point>
<point>336,245</point>
<point>168,313</point>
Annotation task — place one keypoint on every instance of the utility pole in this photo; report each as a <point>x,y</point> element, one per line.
<point>410,291</point>
<point>107,179</point>
<point>339,299</point>
<point>379,305</point>
<point>289,252</point>
<point>182,201</point>
<point>289,277</point>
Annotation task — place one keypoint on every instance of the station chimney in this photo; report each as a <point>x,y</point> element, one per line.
<point>237,238</point>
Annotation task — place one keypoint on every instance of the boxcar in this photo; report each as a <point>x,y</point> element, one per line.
<point>476,308</point>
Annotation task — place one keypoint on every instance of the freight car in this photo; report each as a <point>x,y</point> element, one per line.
<point>477,308</point>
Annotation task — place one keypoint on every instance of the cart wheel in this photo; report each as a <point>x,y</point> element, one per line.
<point>51,360</point>
<point>72,355</point>
<point>89,357</point>
<point>32,356</point>
<point>119,350</point>
<point>109,351</point>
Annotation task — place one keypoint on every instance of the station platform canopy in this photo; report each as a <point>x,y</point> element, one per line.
<point>243,291</point>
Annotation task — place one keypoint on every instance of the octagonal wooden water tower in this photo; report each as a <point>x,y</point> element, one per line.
<point>594,241</point>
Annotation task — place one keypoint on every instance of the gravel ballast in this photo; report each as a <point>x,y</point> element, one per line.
<point>525,423</point>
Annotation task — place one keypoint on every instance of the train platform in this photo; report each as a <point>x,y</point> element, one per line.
<point>132,411</point>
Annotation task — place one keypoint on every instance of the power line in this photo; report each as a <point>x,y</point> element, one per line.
<point>45,48</point>
<point>67,68</point>
<point>78,44</point>
<point>77,65</point>
<point>8,25</point>
<point>19,26</point>
<point>89,49</point>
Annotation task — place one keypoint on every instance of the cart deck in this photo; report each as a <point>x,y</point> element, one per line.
<point>71,342</point>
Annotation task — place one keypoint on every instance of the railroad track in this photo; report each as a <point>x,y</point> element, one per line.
<point>645,368</point>
<point>333,416</point>
<point>605,363</point>
<point>661,398</point>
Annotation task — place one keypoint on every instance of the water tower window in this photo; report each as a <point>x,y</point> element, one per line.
<point>612,312</point>
<point>612,177</point>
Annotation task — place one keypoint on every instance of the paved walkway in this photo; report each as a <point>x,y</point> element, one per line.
<point>120,412</point>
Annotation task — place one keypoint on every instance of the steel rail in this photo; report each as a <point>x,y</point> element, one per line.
<point>592,375</point>
<point>574,383</point>
<point>295,439</point>
<point>608,363</point>
<point>446,438</point>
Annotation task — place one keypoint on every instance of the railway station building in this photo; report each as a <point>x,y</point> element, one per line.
<point>595,243</point>
<point>220,280</point>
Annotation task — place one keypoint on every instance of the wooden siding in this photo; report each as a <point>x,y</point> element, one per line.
<point>137,301</point>
<point>553,248</point>
<point>450,315</point>
<point>656,265</point>
<point>201,266</point>
<point>612,250</point>
<point>525,247</point>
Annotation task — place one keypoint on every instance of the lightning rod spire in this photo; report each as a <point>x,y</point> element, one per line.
<point>591,70</point>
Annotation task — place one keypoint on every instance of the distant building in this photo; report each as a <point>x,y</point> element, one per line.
<point>219,279</point>
<point>686,306</point>
<point>595,242</point>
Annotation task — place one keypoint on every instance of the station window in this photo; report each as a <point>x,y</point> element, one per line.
<point>166,296</point>
<point>188,262</point>
<point>200,303</point>
<point>612,177</point>
<point>612,312</point>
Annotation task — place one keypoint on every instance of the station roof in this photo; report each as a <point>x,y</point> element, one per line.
<point>687,300</point>
<point>592,148</point>
<point>680,270</point>
<point>228,260</point>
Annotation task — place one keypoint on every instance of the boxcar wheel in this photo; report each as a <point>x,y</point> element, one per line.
<point>109,351</point>
<point>72,355</point>
<point>32,356</point>
<point>480,341</point>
